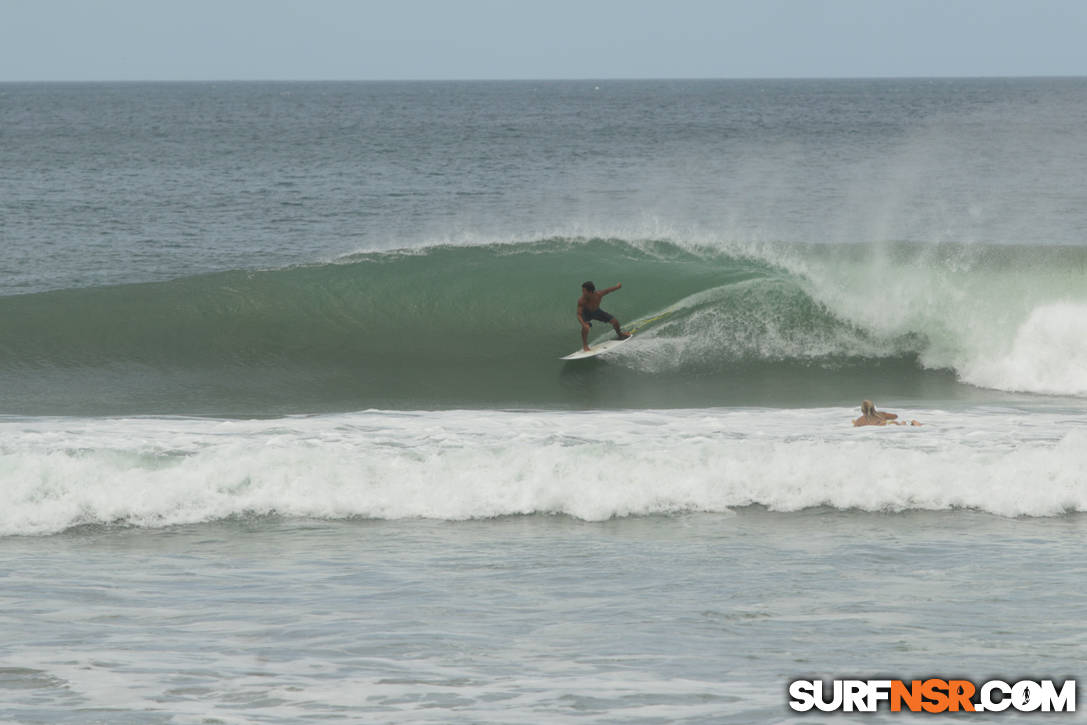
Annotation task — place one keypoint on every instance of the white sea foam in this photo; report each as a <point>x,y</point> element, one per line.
<point>1048,355</point>
<point>59,473</point>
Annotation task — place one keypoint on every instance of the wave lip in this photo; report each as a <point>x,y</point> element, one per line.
<point>458,465</point>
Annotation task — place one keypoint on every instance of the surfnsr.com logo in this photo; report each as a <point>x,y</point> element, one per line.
<point>932,695</point>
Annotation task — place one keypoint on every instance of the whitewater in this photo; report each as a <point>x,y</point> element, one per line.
<point>285,436</point>
<point>595,466</point>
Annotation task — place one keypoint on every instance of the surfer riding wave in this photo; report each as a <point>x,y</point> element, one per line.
<point>588,308</point>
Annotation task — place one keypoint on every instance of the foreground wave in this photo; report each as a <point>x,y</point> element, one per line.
<point>150,472</point>
<point>483,326</point>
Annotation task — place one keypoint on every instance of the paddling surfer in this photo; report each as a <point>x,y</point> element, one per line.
<point>588,309</point>
<point>871,416</point>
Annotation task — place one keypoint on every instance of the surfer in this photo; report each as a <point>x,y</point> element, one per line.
<point>588,308</point>
<point>871,416</point>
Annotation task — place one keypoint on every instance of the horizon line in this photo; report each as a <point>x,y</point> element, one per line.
<point>543,79</point>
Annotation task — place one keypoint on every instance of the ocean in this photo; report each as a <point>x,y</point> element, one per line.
<point>284,435</point>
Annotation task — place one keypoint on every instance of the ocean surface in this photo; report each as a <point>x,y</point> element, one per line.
<point>284,435</point>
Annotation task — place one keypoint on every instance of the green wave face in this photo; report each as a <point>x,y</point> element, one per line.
<point>484,326</point>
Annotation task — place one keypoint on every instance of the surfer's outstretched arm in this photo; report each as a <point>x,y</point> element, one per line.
<point>609,290</point>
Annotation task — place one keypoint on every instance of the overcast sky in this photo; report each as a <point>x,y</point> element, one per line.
<point>476,39</point>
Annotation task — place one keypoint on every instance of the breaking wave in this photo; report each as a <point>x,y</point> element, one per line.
<point>484,325</point>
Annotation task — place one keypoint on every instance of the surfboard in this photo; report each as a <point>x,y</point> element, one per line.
<point>595,349</point>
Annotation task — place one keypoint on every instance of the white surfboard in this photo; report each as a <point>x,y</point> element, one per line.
<point>595,349</point>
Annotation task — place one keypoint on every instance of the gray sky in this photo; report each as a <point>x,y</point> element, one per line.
<point>470,39</point>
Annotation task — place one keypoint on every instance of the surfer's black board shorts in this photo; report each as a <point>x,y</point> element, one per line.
<point>596,314</point>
